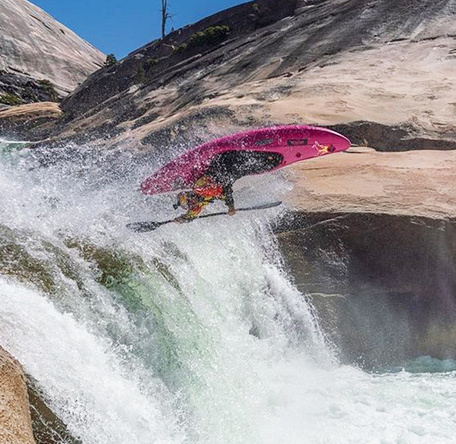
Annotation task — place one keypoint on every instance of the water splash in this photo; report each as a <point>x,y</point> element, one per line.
<point>194,334</point>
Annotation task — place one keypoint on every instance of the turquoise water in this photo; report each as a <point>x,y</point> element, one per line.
<point>426,364</point>
<point>193,334</point>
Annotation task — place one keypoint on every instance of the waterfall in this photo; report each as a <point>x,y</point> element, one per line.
<point>191,334</point>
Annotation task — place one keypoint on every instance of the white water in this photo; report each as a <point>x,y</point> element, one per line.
<point>205,342</point>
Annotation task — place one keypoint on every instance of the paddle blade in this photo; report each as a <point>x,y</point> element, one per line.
<point>143,227</point>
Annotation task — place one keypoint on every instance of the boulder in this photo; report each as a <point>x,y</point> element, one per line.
<point>15,420</point>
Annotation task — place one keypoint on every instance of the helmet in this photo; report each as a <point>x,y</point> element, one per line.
<point>182,200</point>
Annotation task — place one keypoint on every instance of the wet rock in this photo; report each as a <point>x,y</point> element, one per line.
<point>15,421</point>
<point>48,428</point>
<point>384,286</point>
<point>371,239</point>
<point>29,122</point>
<point>403,137</point>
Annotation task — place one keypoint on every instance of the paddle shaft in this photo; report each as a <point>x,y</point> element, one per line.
<point>142,227</point>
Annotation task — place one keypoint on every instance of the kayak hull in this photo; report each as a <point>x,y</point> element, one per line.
<point>294,143</point>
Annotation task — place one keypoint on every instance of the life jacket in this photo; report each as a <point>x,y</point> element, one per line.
<point>206,188</point>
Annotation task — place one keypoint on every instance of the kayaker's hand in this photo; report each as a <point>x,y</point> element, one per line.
<point>232,211</point>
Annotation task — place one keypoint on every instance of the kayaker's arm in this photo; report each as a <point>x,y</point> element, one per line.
<point>195,208</point>
<point>229,201</point>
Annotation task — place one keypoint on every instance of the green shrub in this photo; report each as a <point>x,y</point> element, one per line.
<point>29,94</point>
<point>210,36</point>
<point>145,65</point>
<point>46,84</point>
<point>149,62</point>
<point>10,99</point>
<point>48,87</point>
<point>180,48</point>
<point>110,60</point>
<point>141,74</point>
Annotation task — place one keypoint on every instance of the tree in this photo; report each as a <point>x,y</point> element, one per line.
<point>165,16</point>
<point>110,60</point>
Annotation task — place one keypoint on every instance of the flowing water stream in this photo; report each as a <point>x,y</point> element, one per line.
<point>191,334</point>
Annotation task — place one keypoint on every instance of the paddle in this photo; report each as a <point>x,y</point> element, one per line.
<point>143,227</point>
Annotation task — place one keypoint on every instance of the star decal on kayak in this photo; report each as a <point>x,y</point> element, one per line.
<point>323,149</point>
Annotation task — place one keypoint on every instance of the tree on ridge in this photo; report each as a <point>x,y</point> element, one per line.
<point>165,14</point>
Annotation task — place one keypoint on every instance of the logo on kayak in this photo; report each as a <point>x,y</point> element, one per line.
<point>263,142</point>
<point>323,149</point>
<point>297,142</point>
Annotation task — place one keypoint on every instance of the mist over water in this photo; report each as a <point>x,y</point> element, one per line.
<point>191,334</point>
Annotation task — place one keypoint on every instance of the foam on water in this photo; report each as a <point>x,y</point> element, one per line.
<point>199,338</point>
<point>100,401</point>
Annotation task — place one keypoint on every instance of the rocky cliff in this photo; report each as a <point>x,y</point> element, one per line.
<point>40,59</point>
<point>382,69</point>
<point>371,239</point>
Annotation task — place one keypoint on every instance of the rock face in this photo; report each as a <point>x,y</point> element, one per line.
<point>47,427</point>
<point>15,421</point>
<point>372,241</point>
<point>384,286</point>
<point>413,183</point>
<point>386,62</point>
<point>40,59</point>
<point>32,121</point>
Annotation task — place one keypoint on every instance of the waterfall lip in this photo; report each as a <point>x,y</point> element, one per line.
<point>7,141</point>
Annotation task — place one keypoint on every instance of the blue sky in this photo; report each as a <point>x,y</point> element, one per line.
<point>121,26</point>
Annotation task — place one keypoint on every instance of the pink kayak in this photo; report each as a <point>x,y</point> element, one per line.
<point>250,152</point>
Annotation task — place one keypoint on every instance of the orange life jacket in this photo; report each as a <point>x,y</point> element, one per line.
<point>206,188</point>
